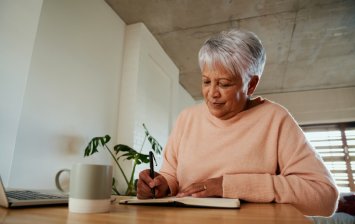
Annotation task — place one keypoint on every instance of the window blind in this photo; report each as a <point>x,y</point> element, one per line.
<point>335,143</point>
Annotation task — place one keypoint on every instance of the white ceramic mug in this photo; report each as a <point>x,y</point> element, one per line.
<point>89,187</point>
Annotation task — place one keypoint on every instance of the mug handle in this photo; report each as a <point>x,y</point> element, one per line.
<point>57,183</point>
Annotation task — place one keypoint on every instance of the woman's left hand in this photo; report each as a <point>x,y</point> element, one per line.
<point>208,188</point>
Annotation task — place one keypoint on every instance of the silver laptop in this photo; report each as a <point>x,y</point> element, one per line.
<point>18,198</point>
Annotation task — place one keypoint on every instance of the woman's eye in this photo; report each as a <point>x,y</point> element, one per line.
<point>206,82</point>
<point>223,85</point>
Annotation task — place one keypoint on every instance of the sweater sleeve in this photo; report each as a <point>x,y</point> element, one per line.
<point>302,178</point>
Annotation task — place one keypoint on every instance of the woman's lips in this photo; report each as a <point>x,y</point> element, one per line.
<point>216,104</point>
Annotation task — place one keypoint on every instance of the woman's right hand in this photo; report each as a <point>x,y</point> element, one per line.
<point>146,183</point>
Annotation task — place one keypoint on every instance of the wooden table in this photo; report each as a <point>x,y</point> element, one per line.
<point>248,213</point>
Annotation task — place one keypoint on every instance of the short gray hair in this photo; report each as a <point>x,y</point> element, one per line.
<point>239,52</point>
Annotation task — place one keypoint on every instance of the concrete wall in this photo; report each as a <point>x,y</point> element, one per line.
<point>320,106</point>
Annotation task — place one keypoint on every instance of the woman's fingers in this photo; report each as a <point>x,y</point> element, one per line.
<point>208,188</point>
<point>143,190</point>
<point>143,185</point>
<point>146,183</point>
<point>161,187</point>
<point>193,189</point>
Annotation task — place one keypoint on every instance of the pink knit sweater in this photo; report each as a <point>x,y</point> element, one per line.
<point>261,153</point>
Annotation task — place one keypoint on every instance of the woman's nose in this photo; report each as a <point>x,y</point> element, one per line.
<point>214,91</point>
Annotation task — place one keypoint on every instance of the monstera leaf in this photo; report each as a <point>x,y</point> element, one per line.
<point>124,152</point>
<point>130,154</point>
<point>153,142</point>
<point>95,143</point>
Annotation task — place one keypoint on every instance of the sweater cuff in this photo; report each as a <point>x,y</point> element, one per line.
<point>248,187</point>
<point>173,186</point>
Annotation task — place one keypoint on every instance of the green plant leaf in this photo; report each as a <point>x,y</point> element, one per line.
<point>126,152</point>
<point>95,143</point>
<point>153,142</point>
<point>131,154</point>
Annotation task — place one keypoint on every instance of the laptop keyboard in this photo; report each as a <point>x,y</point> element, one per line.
<point>30,195</point>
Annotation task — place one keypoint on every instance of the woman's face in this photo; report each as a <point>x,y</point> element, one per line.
<point>224,93</point>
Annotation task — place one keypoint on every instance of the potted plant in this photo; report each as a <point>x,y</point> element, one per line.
<point>121,151</point>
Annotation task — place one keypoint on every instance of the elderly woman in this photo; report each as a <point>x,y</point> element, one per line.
<point>234,146</point>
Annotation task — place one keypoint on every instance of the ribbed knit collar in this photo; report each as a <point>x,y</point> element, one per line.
<point>225,123</point>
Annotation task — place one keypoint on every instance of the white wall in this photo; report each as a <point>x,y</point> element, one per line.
<point>18,27</point>
<point>319,106</point>
<point>61,69</point>
<point>150,93</point>
<point>183,100</point>
<point>71,92</point>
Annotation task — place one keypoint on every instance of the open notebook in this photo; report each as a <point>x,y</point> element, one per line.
<point>186,201</point>
<point>17,198</point>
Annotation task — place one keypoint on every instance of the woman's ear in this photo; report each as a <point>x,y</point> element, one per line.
<point>253,83</point>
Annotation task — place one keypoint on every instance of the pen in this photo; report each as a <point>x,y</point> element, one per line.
<point>151,163</point>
